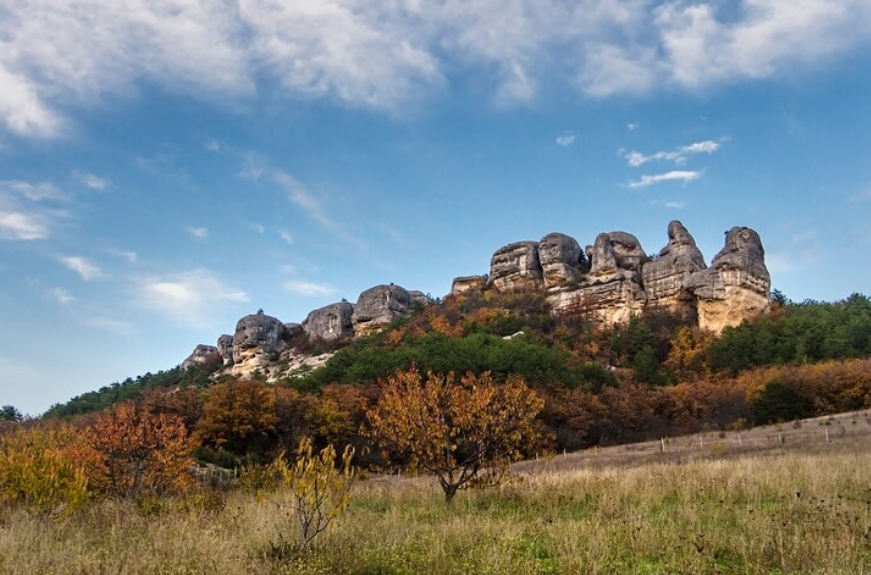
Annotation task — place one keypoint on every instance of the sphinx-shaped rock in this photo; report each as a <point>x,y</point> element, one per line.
<point>561,259</point>
<point>378,306</point>
<point>201,355</point>
<point>665,278</point>
<point>225,348</point>
<point>516,267</point>
<point>468,283</point>
<point>257,342</point>
<point>330,322</point>
<point>736,286</point>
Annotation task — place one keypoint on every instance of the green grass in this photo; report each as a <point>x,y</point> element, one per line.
<point>789,513</point>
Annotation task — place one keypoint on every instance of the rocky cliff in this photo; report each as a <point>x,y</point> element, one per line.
<point>608,282</point>
<point>617,280</point>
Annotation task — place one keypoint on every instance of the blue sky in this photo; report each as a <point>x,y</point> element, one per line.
<point>168,166</point>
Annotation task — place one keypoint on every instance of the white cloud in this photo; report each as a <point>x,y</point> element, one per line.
<point>86,269</point>
<point>304,288</point>
<point>36,192</point>
<point>678,156</point>
<point>62,296</point>
<point>91,181</point>
<point>197,233</point>
<point>130,256</point>
<point>566,141</point>
<point>187,297</point>
<point>673,176</point>
<point>670,204</point>
<point>632,126</point>
<point>21,226</point>
<point>285,235</point>
<point>59,55</point>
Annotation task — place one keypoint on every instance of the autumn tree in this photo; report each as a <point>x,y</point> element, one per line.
<point>466,431</point>
<point>240,417</point>
<point>42,470</point>
<point>138,451</point>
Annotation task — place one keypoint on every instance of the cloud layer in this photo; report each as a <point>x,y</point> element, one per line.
<point>56,55</point>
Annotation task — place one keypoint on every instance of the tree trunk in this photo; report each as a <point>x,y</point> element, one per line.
<point>450,491</point>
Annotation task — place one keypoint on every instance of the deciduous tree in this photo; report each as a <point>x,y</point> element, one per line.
<point>466,431</point>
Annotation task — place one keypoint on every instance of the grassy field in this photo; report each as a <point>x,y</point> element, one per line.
<point>706,505</point>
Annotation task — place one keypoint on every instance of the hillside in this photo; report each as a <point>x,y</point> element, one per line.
<point>607,374</point>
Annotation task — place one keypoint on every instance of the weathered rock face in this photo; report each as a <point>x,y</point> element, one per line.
<point>609,303</point>
<point>378,306</point>
<point>611,293</point>
<point>225,347</point>
<point>257,342</point>
<point>464,284</point>
<point>201,355</point>
<point>330,322</point>
<point>516,267</point>
<point>292,330</point>
<point>736,286</point>
<point>562,260</point>
<point>665,278</point>
<point>418,297</point>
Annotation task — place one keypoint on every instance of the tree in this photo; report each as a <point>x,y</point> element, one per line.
<point>9,413</point>
<point>240,417</point>
<point>41,469</point>
<point>137,451</point>
<point>467,432</point>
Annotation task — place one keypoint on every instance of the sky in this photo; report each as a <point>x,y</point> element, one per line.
<point>169,166</point>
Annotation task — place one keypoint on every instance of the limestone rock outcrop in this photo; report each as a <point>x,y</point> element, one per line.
<point>464,284</point>
<point>257,343</point>
<point>418,297</point>
<point>562,259</point>
<point>225,348</point>
<point>665,279</point>
<point>201,355</point>
<point>736,286</point>
<point>330,322</point>
<point>516,267</point>
<point>379,306</point>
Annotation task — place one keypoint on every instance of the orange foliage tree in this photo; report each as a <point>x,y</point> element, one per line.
<point>467,432</point>
<point>138,451</point>
<point>240,417</point>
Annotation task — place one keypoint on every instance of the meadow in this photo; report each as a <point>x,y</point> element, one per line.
<point>783,507</point>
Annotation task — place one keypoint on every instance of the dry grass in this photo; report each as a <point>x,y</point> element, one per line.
<point>780,511</point>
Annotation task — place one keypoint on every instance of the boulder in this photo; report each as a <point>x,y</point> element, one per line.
<point>378,306</point>
<point>516,268</point>
<point>292,330</point>
<point>257,342</point>
<point>562,259</point>
<point>330,322</point>
<point>736,286</point>
<point>225,347</point>
<point>464,284</point>
<point>418,297</point>
<point>665,278</point>
<point>201,355</point>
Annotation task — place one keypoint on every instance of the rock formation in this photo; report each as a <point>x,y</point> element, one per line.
<point>665,278</point>
<point>330,322</point>
<point>225,347</point>
<point>418,297</point>
<point>378,306</point>
<point>201,355</point>
<point>620,282</point>
<point>736,286</point>
<point>257,342</point>
<point>516,267</point>
<point>562,260</point>
<point>464,284</point>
